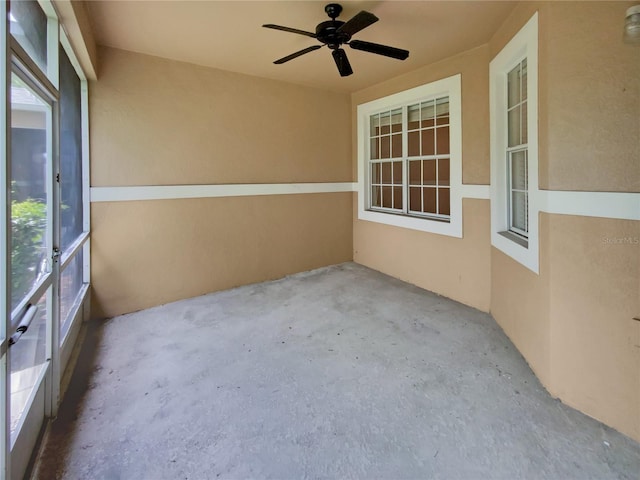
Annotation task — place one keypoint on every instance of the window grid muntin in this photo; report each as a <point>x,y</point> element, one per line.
<point>385,143</point>
<point>520,105</point>
<point>437,103</point>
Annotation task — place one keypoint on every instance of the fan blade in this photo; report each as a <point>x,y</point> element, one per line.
<point>359,22</point>
<point>297,54</point>
<point>379,49</point>
<point>291,30</point>
<point>342,62</point>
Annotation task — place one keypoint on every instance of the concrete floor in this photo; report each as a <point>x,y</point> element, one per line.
<point>337,373</point>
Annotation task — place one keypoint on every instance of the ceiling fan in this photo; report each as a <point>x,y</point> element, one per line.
<point>335,33</point>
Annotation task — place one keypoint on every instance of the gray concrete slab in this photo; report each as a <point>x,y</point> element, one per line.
<point>337,373</point>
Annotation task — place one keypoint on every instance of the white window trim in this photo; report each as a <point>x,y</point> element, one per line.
<point>445,87</point>
<point>523,44</point>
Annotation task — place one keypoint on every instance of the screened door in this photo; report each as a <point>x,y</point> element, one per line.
<point>44,218</point>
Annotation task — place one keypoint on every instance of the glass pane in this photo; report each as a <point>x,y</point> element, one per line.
<point>385,147</point>
<point>375,173</point>
<point>519,210</point>
<point>28,25</point>
<point>428,142</point>
<point>428,123</point>
<point>70,285</point>
<point>415,199</point>
<point>374,122</point>
<point>29,120</point>
<point>414,117</point>
<point>375,197</point>
<point>397,197</point>
<point>375,148</point>
<point>442,140</point>
<point>386,197</point>
<point>28,358</point>
<point>396,145</point>
<point>70,153</point>
<point>414,144</point>
<point>525,133</point>
<point>443,171</point>
<point>396,120</point>
<point>385,123</point>
<point>429,199</point>
<point>444,201</point>
<point>415,174</point>
<point>428,113</point>
<point>442,107</point>
<point>397,173</point>
<point>444,120</point>
<point>429,172</point>
<point>386,172</point>
<point>514,127</point>
<point>513,87</point>
<point>519,170</point>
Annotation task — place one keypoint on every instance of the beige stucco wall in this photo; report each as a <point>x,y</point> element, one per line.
<point>573,322</point>
<point>161,122</point>
<point>595,343</point>
<point>152,252</point>
<point>520,305</point>
<point>592,82</point>
<point>457,268</point>
<point>453,267</point>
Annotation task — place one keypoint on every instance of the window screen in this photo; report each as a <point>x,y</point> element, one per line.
<point>70,152</point>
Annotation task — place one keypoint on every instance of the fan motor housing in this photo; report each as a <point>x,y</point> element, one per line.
<point>327,33</point>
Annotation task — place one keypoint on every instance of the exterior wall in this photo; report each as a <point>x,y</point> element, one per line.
<point>520,305</point>
<point>457,268</point>
<point>573,322</point>
<point>453,267</point>
<point>593,99</point>
<point>148,253</point>
<point>160,122</point>
<point>595,343</point>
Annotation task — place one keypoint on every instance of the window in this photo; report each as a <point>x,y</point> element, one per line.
<point>517,178</point>
<point>409,150</point>
<point>514,147</point>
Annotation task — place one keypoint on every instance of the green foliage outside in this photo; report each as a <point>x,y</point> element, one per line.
<point>28,225</point>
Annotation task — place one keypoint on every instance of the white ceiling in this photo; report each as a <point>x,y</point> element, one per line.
<point>228,35</point>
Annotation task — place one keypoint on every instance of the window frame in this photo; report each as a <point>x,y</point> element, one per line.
<point>449,87</point>
<point>517,245</point>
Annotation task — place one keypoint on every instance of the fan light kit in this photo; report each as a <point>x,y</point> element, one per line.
<point>335,33</point>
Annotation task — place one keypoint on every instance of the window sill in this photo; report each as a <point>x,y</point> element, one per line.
<point>451,228</point>
<point>523,242</point>
<point>409,215</point>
